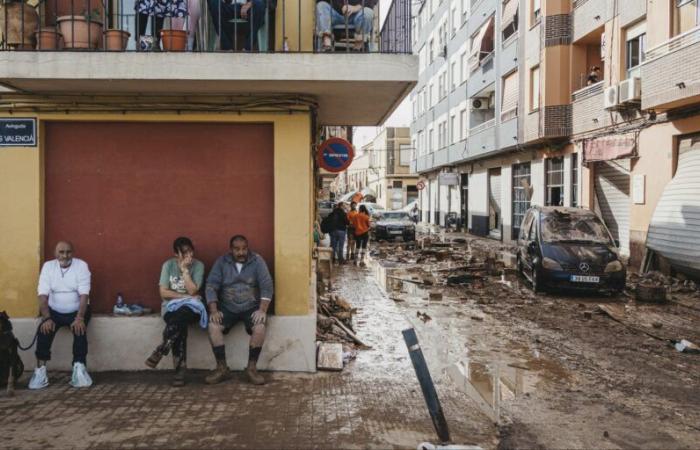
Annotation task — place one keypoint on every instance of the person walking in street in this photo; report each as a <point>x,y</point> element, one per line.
<point>64,287</point>
<point>339,224</point>
<point>239,288</point>
<point>361,229</point>
<point>181,278</point>
<point>351,231</point>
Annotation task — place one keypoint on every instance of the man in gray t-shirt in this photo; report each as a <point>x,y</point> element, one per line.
<point>239,288</point>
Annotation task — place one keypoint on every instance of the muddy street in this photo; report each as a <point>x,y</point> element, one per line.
<point>555,370</point>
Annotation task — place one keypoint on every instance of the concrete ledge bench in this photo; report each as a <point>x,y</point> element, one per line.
<point>124,343</point>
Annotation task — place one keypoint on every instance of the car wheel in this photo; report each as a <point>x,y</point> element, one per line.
<point>536,284</point>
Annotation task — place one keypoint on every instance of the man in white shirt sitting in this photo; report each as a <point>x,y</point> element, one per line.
<point>64,286</point>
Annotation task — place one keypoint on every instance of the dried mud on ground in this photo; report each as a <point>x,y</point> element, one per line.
<point>552,369</point>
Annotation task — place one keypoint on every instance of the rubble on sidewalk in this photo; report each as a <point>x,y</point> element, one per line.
<point>334,326</point>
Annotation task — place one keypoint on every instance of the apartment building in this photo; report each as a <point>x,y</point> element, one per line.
<point>588,103</point>
<point>388,173</point>
<point>123,151</point>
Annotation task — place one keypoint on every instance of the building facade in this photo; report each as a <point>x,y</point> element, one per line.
<point>129,150</point>
<point>388,173</point>
<point>551,102</point>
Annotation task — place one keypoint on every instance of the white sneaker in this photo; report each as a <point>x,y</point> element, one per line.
<point>39,379</point>
<point>80,377</point>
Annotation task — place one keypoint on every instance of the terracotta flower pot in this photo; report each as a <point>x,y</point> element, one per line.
<point>22,21</point>
<point>174,40</point>
<point>48,39</point>
<point>116,40</point>
<point>79,33</point>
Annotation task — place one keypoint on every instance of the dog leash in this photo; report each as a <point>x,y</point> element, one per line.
<point>36,335</point>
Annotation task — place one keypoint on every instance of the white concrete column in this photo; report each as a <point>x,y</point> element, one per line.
<point>537,179</point>
<point>507,201</point>
<point>567,179</point>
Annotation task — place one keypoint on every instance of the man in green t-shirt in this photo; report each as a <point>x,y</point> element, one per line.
<point>180,280</point>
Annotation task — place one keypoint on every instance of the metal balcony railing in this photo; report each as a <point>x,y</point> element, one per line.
<point>483,126</point>
<point>204,26</point>
<point>673,44</point>
<point>588,91</point>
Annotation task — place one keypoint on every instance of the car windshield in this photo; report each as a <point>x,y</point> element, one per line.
<point>563,227</point>
<point>395,216</point>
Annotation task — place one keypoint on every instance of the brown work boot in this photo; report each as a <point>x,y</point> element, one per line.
<point>219,374</point>
<point>253,376</point>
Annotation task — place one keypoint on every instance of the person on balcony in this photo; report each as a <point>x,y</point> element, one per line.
<point>157,10</point>
<point>239,289</point>
<point>358,14</point>
<point>181,278</point>
<point>229,16</point>
<point>64,287</point>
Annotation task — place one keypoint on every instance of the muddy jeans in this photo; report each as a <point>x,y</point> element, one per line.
<point>177,323</point>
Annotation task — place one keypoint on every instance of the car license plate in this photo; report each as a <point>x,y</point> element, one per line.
<point>584,279</point>
<point>395,231</point>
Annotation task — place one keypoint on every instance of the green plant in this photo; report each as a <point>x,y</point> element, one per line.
<point>93,15</point>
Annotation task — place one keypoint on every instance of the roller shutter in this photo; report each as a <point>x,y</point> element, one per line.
<point>675,225</point>
<point>612,188</point>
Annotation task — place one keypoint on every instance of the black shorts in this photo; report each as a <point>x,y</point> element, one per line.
<point>231,319</point>
<point>362,241</point>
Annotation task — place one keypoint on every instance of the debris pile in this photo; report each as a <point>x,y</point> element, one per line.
<point>334,320</point>
<point>679,284</point>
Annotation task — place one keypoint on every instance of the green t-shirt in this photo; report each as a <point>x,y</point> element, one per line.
<point>171,277</point>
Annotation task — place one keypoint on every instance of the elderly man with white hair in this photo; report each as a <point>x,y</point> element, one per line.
<point>64,287</point>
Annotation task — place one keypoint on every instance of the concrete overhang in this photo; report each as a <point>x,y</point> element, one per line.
<point>350,89</point>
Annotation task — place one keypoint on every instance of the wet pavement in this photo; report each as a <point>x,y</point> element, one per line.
<point>375,402</point>
<point>551,369</point>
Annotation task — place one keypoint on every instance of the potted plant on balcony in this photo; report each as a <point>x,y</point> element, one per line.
<point>116,40</point>
<point>82,31</point>
<point>18,22</point>
<point>48,38</point>
<point>173,40</point>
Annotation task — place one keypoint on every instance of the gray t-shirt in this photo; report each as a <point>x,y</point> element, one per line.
<point>171,277</point>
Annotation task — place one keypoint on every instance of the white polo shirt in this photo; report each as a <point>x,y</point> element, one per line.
<point>64,286</point>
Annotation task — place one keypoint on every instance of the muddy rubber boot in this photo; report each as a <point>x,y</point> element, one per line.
<point>155,357</point>
<point>219,374</point>
<point>180,368</point>
<point>253,376</point>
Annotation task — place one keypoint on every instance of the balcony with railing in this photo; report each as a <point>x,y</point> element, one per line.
<point>588,111</point>
<point>212,47</point>
<point>671,72</point>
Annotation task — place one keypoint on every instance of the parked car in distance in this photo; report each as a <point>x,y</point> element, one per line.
<point>568,248</point>
<point>324,208</point>
<point>392,224</point>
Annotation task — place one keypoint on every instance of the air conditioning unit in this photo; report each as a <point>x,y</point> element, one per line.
<point>610,99</point>
<point>631,90</point>
<point>480,103</point>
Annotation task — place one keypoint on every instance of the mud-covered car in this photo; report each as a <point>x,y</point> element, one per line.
<point>569,248</point>
<point>390,225</point>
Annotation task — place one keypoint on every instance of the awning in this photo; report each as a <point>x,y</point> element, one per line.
<point>480,43</point>
<point>609,148</point>
<point>510,92</point>
<point>510,10</point>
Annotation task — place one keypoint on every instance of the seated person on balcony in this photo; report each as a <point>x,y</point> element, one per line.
<point>593,76</point>
<point>239,288</point>
<point>180,280</point>
<point>233,15</point>
<point>64,286</point>
<point>158,10</point>
<point>357,13</point>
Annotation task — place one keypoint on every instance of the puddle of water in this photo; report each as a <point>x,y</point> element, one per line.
<point>489,385</point>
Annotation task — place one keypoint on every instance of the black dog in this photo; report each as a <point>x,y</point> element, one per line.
<point>11,365</point>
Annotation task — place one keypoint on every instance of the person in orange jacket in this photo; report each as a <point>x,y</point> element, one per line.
<point>360,222</point>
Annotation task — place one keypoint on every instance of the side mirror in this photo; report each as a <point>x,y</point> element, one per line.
<point>532,246</point>
<point>617,243</point>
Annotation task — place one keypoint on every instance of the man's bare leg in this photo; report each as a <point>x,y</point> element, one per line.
<point>216,338</point>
